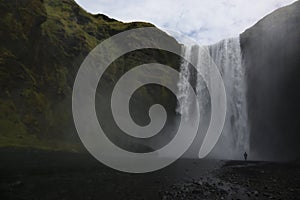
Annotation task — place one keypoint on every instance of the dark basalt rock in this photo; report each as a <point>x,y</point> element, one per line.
<point>271,54</point>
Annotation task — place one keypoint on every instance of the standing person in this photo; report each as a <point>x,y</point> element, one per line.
<point>245,155</point>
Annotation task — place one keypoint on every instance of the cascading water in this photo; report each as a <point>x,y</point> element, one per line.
<point>226,54</point>
<point>184,77</point>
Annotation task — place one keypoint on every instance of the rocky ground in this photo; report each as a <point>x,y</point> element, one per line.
<point>35,174</point>
<point>242,180</point>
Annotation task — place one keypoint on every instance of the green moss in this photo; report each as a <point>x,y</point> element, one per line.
<point>40,54</point>
<point>9,24</point>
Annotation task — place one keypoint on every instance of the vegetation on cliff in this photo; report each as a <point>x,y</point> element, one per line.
<point>42,44</point>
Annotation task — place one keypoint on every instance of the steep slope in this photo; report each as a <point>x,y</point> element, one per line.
<point>271,54</point>
<point>43,43</point>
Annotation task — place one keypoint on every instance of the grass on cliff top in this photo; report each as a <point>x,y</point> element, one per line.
<point>67,17</point>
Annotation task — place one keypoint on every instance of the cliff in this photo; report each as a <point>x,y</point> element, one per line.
<point>271,54</point>
<point>42,44</point>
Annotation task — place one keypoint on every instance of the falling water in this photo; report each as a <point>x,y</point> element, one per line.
<point>227,56</point>
<point>184,77</point>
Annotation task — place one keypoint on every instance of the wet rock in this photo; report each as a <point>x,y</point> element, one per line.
<point>16,184</point>
<point>266,194</point>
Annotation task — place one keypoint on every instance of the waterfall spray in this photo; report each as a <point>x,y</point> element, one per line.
<point>227,56</point>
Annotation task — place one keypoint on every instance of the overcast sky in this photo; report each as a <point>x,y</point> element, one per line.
<point>206,21</point>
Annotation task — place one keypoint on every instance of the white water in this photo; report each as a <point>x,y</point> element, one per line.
<point>184,77</point>
<point>226,54</point>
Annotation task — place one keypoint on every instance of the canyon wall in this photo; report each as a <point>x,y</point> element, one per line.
<point>271,55</point>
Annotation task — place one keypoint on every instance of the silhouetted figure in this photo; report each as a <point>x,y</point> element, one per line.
<point>245,156</point>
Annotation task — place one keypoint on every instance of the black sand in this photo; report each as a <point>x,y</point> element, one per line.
<point>35,174</point>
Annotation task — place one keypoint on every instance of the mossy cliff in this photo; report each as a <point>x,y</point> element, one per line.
<point>42,44</point>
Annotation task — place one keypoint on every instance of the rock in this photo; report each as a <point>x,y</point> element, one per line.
<point>199,183</point>
<point>196,191</point>
<point>17,184</point>
<point>266,194</point>
<point>270,52</point>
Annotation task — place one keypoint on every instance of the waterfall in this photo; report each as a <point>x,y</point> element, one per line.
<point>184,78</point>
<point>226,55</point>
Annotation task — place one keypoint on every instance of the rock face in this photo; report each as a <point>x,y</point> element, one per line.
<point>42,44</point>
<point>271,53</point>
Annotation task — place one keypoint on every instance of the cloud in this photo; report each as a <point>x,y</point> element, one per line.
<point>206,21</point>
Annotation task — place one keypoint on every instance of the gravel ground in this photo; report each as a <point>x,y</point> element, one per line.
<point>242,180</point>
<point>34,174</point>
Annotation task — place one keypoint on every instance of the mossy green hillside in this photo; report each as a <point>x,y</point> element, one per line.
<point>42,44</point>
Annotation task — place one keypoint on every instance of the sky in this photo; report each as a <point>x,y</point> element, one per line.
<point>205,21</point>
